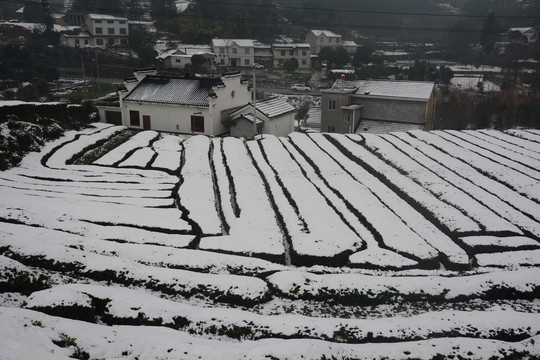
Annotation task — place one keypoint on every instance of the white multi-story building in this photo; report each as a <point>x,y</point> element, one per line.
<point>234,52</point>
<point>319,39</point>
<point>107,30</point>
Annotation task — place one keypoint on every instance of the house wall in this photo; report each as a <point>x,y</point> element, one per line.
<point>72,42</point>
<point>279,126</point>
<point>332,119</point>
<point>374,109</point>
<point>243,128</point>
<point>302,54</point>
<point>118,35</point>
<point>234,55</point>
<point>318,42</point>
<point>166,117</point>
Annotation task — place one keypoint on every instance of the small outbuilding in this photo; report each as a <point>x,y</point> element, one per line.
<point>274,116</point>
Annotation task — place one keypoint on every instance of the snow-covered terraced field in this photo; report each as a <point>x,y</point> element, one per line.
<point>397,246</point>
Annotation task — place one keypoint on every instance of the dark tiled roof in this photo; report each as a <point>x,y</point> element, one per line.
<point>175,91</point>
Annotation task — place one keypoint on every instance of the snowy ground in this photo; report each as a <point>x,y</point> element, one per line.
<point>399,246</point>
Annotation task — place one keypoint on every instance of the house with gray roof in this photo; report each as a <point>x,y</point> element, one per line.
<point>350,104</point>
<point>188,105</point>
<point>273,116</point>
<point>319,39</point>
<point>234,52</point>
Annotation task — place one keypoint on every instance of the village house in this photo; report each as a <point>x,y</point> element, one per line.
<point>284,52</point>
<point>274,116</point>
<point>234,52</point>
<point>319,39</point>
<point>188,105</point>
<point>526,35</point>
<point>99,30</point>
<point>181,56</point>
<point>351,106</point>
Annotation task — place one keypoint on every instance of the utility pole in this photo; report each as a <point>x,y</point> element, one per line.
<point>254,106</point>
<point>84,78</point>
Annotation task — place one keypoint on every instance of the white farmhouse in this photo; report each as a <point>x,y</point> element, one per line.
<point>528,33</point>
<point>274,117</point>
<point>108,30</point>
<point>186,105</point>
<point>180,57</point>
<point>99,30</point>
<point>234,52</point>
<point>319,39</point>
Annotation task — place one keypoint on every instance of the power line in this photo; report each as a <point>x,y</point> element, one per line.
<point>282,22</point>
<point>369,12</point>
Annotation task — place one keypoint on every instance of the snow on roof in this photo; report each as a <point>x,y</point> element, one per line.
<point>348,43</point>
<point>274,107</point>
<point>418,90</point>
<point>177,91</point>
<point>383,127</point>
<point>522,29</point>
<point>106,17</point>
<point>229,42</point>
<point>292,46</point>
<point>326,33</point>
<point>249,117</point>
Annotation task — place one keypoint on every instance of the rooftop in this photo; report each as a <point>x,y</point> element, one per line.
<point>326,33</point>
<point>174,91</point>
<point>106,17</point>
<point>383,127</point>
<point>417,90</point>
<point>274,107</point>
<point>230,42</point>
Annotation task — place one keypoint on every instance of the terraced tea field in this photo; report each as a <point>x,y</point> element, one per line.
<point>123,245</point>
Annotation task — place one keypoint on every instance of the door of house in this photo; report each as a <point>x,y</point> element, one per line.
<point>146,122</point>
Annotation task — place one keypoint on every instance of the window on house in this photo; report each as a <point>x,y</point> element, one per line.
<point>222,51</point>
<point>222,61</point>
<point>347,118</point>
<point>197,123</point>
<point>99,30</point>
<point>247,50</point>
<point>97,21</point>
<point>291,52</point>
<point>99,42</point>
<point>110,31</point>
<point>178,60</point>
<point>134,119</point>
<point>76,42</point>
<point>110,21</point>
<point>122,22</point>
<point>246,62</point>
<point>282,52</point>
<point>123,31</point>
<point>304,62</point>
<point>331,104</point>
<point>331,129</point>
<point>304,53</point>
<point>85,41</point>
<point>234,50</point>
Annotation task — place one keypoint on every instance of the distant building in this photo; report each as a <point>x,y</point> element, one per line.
<point>274,116</point>
<point>263,55</point>
<point>181,56</point>
<point>97,30</point>
<point>319,39</point>
<point>348,104</point>
<point>189,105</point>
<point>107,30</point>
<point>234,52</point>
<point>349,46</point>
<point>526,35</point>
<point>284,52</point>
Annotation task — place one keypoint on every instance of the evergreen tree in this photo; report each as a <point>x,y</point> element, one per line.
<point>490,33</point>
